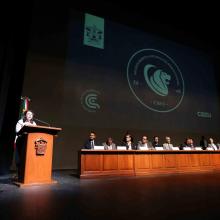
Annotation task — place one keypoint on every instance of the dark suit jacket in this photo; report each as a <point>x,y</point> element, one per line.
<point>156,145</point>
<point>133,146</point>
<point>87,144</point>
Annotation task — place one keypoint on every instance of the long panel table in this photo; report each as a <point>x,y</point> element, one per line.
<point>105,163</point>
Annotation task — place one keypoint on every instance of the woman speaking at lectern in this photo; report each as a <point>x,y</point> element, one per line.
<point>26,120</point>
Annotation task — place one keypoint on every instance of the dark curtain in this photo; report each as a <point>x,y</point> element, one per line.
<point>13,51</point>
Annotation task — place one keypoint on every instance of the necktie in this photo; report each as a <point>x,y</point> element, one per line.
<point>92,144</point>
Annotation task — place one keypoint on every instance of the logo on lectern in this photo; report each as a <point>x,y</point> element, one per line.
<point>40,146</point>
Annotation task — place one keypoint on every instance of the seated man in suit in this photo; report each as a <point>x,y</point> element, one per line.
<point>156,142</point>
<point>144,143</point>
<point>128,141</point>
<point>91,142</point>
<point>109,144</point>
<point>167,145</point>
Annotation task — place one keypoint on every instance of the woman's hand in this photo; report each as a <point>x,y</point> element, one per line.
<point>27,123</point>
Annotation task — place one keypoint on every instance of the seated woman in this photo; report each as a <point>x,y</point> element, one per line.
<point>109,144</point>
<point>128,141</point>
<point>211,144</point>
<point>156,142</point>
<point>188,144</point>
<point>144,144</point>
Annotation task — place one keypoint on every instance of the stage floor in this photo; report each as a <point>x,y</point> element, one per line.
<point>191,196</point>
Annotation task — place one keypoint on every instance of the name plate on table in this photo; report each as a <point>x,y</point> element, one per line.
<point>143,148</point>
<point>198,148</point>
<point>209,148</point>
<point>98,147</point>
<point>176,148</point>
<point>121,148</point>
<point>187,148</point>
<point>159,148</point>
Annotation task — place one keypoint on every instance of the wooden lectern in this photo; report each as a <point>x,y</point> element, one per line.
<point>35,147</point>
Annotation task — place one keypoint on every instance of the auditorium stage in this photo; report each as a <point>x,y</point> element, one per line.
<point>179,196</point>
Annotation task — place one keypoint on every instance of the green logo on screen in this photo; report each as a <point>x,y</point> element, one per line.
<point>89,100</point>
<point>94,31</point>
<point>94,35</point>
<point>158,81</point>
<point>155,80</point>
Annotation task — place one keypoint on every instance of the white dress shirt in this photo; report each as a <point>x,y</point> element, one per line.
<point>213,146</point>
<point>92,144</point>
<point>21,123</point>
<point>129,146</point>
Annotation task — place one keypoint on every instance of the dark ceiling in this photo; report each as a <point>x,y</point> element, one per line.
<point>197,21</point>
<point>195,24</point>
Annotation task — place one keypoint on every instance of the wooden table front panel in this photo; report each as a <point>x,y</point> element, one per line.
<point>110,162</point>
<point>116,163</point>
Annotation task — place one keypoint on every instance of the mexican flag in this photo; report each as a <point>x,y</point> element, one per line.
<point>25,102</point>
